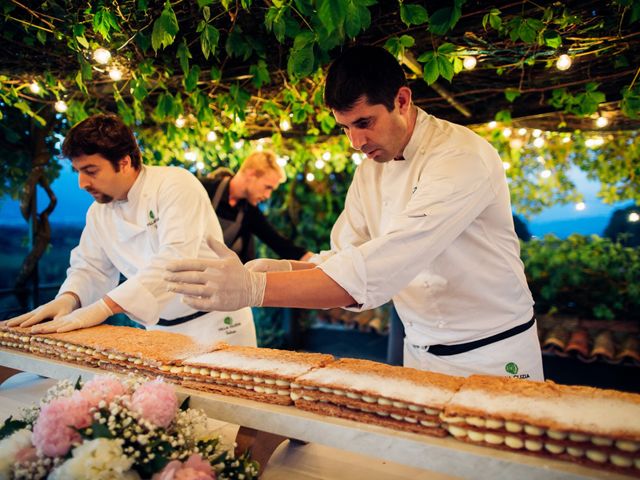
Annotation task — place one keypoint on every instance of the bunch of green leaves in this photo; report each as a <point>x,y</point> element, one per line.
<point>591,277</point>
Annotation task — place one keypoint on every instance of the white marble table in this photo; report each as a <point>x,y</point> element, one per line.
<point>338,449</point>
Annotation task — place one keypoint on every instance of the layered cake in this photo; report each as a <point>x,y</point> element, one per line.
<point>374,393</point>
<point>588,425</point>
<point>261,374</point>
<point>122,349</point>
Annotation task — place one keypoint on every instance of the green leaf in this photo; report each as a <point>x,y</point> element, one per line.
<point>445,67</point>
<point>204,3</point>
<point>184,55</point>
<point>41,36</point>
<point>630,103</point>
<point>238,45</point>
<point>431,70</point>
<point>275,21</point>
<point>444,19</point>
<point>10,426</point>
<point>552,39</point>
<point>301,57</point>
<point>332,13</point>
<point>165,28</point>
<point>209,40</point>
<point>260,73</point>
<point>104,21</point>
<point>358,19</point>
<point>191,80</point>
<point>511,94</point>
<point>413,14</point>
<point>82,41</point>
<point>503,116</point>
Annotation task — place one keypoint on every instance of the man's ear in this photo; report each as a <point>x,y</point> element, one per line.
<point>125,162</point>
<point>403,99</point>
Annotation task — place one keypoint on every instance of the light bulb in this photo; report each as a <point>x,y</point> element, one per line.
<point>522,131</point>
<point>115,74</point>
<point>212,136</point>
<point>181,121</point>
<point>602,122</point>
<point>594,142</point>
<point>633,217</point>
<point>310,177</point>
<point>580,206</point>
<point>545,173</point>
<point>60,106</point>
<point>190,155</point>
<point>516,143</point>
<point>320,164</point>
<point>285,125</point>
<point>507,132</point>
<point>357,158</point>
<point>492,124</point>
<point>566,139</point>
<point>238,145</point>
<point>101,55</point>
<point>536,133</point>
<point>540,160</point>
<point>506,165</point>
<point>469,63</point>
<point>34,87</point>
<point>326,156</point>
<point>281,161</point>
<point>538,142</point>
<point>563,62</point>
<point>200,165</point>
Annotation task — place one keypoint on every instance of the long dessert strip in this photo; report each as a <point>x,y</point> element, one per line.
<point>260,374</point>
<point>587,425</point>
<point>370,392</point>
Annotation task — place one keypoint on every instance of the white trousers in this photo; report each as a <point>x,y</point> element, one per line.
<point>234,328</point>
<point>518,356</point>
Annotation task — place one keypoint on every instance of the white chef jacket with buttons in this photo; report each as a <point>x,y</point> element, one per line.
<point>434,232</point>
<point>167,215</point>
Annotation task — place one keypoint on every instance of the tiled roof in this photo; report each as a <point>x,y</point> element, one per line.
<point>587,340</point>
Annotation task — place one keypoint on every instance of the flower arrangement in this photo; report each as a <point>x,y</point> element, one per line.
<point>111,428</point>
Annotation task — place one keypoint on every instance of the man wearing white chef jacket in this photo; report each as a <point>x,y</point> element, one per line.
<point>427,222</point>
<point>142,216</point>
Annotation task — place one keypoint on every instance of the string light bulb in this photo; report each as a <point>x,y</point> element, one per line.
<point>190,155</point>
<point>580,206</point>
<point>310,177</point>
<point>212,136</point>
<point>492,124</point>
<point>469,63</point>
<point>282,161</point>
<point>602,122</point>
<point>285,125</point>
<point>522,131</point>
<point>34,87</point>
<point>320,164</point>
<point>326,156</point>
<point>102,55</point>
<point>115,74</point>
<point>507,132</point>
<point>536,133</point>
<point>563,62</point>
<point>506,165</point>
<point>357,158</point>
<point>538,142</point>
<point>546,173</point>
<point>181,121</point>
<point>60,106</point>
<point>633,217</point>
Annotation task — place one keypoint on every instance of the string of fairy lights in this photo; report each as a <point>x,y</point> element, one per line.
<point>517,138</point>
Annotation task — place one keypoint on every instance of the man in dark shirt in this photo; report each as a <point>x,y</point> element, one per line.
<point>235,199</point>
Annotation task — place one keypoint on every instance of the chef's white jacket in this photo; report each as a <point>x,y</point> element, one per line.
<point>434,232</point>
<point>167,215</point>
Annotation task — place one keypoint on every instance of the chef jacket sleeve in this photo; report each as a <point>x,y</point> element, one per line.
<point>453,190</point>
<point>183,208</point>
<point>90,274</point>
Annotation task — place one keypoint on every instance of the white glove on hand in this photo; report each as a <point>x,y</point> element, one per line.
<point>268,265</point>
<point>54,309</point>
<point>223,285</point>
<point>94,314</point>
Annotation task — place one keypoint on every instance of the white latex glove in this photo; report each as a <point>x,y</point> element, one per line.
<point>223,284</point>
<point>94,314</point>
<point>56,308</point>
<point>268,265</point>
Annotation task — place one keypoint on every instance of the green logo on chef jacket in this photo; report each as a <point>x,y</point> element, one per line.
<point>228,320</point>
<point>511,368</point>
<point>151,215</point>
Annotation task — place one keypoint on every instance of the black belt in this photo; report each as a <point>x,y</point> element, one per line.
<point>177,321</point>
<point>444,350</point>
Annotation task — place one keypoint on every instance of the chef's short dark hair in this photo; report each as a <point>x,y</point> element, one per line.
<point>103,134</point>
<point>363,70</point>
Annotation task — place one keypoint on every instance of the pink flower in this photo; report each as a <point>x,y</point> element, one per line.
<point>54,431</point>
<point>104,387</point>
<point>195,468</point>
<point>156,402</point>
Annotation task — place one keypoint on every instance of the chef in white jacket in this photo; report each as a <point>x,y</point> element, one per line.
<point>427,222</point>
<point>142,217</point>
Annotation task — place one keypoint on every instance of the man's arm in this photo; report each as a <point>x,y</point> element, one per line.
<point>310,288</point>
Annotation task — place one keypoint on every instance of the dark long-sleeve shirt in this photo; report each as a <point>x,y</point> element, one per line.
<point>253,223</point>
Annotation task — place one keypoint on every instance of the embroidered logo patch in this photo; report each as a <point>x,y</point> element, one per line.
<point>511,368</point>
<point>228,320</point>
<point>152,219</point>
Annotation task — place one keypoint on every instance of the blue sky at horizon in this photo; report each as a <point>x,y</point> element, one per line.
<point>560,219</point>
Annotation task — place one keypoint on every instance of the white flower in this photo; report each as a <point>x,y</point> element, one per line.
<point>99,459</point>
<point>9,447</point>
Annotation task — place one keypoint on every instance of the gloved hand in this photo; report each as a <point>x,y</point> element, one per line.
<point>56,308</point>
<point>223,285</point>
<point>94,314</point>
<point>268,265</point>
